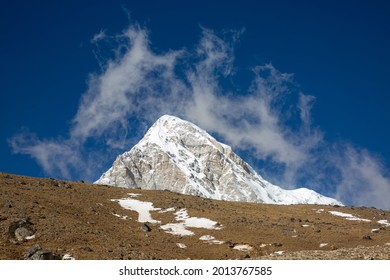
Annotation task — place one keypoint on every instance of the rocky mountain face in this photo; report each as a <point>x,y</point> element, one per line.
<point>178,156</point>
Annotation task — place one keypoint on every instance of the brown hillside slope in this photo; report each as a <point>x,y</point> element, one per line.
<point>83,220</point>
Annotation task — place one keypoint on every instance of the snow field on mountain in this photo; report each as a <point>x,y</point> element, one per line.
<point>183,225</point>
<point>184,221</point>
<point>143,208</point>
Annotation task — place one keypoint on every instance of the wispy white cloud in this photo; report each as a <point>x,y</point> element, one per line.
<point>364,178</point>
<point>99,36</point>
<point>55,156</point>
<point>124,89</point>
<point>271,119</point>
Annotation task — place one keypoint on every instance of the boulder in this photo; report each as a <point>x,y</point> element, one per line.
<point>21,230</point>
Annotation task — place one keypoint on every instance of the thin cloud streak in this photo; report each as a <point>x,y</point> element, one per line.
<point>271,120</point>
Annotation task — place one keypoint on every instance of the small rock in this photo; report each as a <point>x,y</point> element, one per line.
<point>367,237</point>
<point>230,244</point>
<point>145,227</point>
<point>20,230</point>
<point>32,250</point>
<point>44,255</point>
<point>245,256</point>
<point>87,249</point>
<point>376,230</point>
<point>289,230</point>
<point>276,244</point>
<point>23,233</point>
<point>55,183</point>
<point>35,252</point>
<point>317,230</point>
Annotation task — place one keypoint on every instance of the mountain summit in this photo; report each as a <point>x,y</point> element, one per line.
<point>179,156</point>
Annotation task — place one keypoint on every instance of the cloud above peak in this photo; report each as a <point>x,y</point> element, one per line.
<point>271,121</point>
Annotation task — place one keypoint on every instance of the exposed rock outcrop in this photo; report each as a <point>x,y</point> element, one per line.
<point>179,156</point>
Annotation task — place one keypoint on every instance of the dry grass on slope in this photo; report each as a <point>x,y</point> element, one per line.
<point>83,220</point>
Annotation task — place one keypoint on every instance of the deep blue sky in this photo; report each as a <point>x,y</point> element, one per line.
<point>338,52</point>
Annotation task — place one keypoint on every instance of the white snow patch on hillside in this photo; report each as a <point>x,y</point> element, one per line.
<point>347,216</point>
<point>194,222</point>
<point>133,194</point>
<point>243,247</point>
<point>142,207</point>
<point>120,216</point>
<point>68,257</point>
<point>210,239</point>
<point>384,222</point>
<point>185,222</point>
<point>167,210</point>
<point>177,229</point>
<point>31,237</point>
<point>181,245</point>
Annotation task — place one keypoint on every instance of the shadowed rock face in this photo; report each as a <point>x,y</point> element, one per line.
<point>177,155</point>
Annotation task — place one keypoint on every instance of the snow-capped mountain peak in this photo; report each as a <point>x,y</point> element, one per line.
<point>179,156</point>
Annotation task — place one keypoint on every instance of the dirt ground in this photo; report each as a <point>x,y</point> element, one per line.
<point>83,220</point>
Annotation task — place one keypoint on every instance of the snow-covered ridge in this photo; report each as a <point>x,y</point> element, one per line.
<point>179,156</point>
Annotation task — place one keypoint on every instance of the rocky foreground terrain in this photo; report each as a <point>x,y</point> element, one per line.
<point>55,219</point>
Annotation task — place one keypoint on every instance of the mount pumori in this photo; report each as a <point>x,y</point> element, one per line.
<point>179,156</point>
